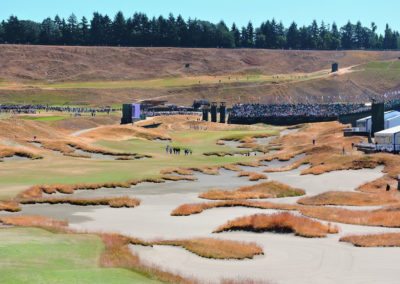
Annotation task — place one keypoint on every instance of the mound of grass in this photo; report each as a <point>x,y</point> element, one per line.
<point>117,202</point>
<point>196,208</point>
<point>373,240</point>
<point>216,249</point>
<point>351,199</point>
<point>7,152</point>
<point>270,189</point>
<point>386,217</point>
<point>252,176</point>
<point>279,223</point>
<point>10,206</point>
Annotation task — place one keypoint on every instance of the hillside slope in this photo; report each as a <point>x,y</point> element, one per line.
<point>108,75</point>
<point>59,63</point>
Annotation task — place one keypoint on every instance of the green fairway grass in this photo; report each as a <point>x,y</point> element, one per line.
<point>18,176</point>
<point>29,255</point>
<point>171,82</point>
<point>45,118</point>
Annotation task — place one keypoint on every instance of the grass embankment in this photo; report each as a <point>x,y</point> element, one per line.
<point>38,190</point>
<point>9,206</point>
<point>378,185</point>
<point>35,255</point>
<point>279,223</point>
<point>197,208</point>
<point>385,217</point>
<point>9,152</point>
<point>69,148</point>
<point>117,202</point>
<point>113,252</point>
<point>352,198</point>
<point>373,240</point>
<point>270,189</point>
<point>216,248</point>
<point>253,176</point>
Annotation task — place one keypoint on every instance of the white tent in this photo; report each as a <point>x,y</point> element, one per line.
<point>365,124</point>
<point>388,139</point>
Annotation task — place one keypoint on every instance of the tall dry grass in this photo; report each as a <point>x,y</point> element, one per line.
<point>196,208</point>
<point>373,240</point>
<point>68,148</point>
<point>8,152</point>
<point>9,206</point>
<point>179,171</point>
<point>378,185</point>
<point>231,167</point>
<point>114,202</point>
<point>280,223</point>
<point>253,176</point>
<point>216,248</point>
<point>385,217</point>
<point>270,189</point>
<point>178,178</point>
<point>33,221</point>
<point>117,254</point>
<point>37,190</point>
<point>352,198</point>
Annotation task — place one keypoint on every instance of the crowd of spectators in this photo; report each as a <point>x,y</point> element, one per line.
<point>295,110</point>
<point>328,110</point>
<point>32,109</point>
<point>166,113</point>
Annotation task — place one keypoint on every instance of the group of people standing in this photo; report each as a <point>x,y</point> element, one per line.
<point>177,150</point>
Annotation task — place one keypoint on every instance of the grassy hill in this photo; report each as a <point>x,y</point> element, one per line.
<point>109,75</point>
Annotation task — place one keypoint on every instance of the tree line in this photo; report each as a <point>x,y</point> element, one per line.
<point>140,30</point>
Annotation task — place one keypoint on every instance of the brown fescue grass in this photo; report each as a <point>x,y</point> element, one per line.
<point>270,189</point>
<point>196,208</point>
<point>386,217</point>
<point>279,223</point>
<point>179,171</point>
<point>378,185</point>
<point>117,254</point>
<point>68,148</point>
<point>253,164</point>
<point>253,176</point>
<point>373,240</point>
<point>33,221</point>
<point>232,167</point>
<point>9,206</point>
<point>206,170</point>
<point>37,190</point>
<point>351,198</point>
<point>8,152</point>
<point>216,249</point>
<point>117,202</point>
<point>178,178</point>
<point>225,153</point>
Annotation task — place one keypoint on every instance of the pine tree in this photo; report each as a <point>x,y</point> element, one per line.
<point>119,29</point>
<point>292,37</point>
<point>236,35</point>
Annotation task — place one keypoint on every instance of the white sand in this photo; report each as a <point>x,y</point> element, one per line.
<point>287,259</point>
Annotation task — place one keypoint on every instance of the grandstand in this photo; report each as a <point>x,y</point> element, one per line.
<point>288,114</point>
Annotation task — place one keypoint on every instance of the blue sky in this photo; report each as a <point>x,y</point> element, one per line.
<point>301,11</point>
